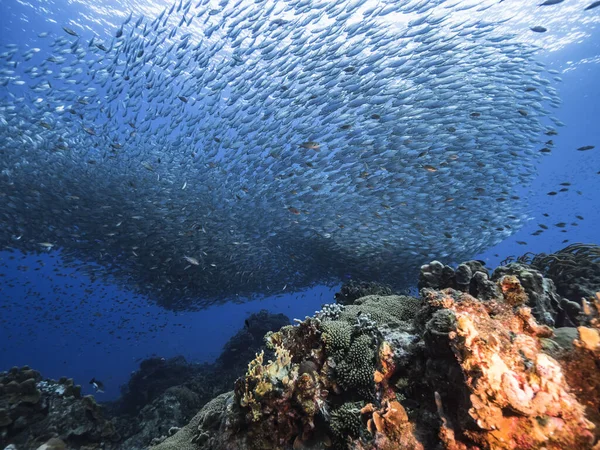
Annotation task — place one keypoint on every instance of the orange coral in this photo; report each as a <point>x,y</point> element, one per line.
<point>385,371</point>
<point>391,427</point>
<point>581,363</point>
<point>518,395</point>
<point>513,292</point>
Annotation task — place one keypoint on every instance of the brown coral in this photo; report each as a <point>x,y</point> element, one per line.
<point>513,292</point>
<point>391,427</point>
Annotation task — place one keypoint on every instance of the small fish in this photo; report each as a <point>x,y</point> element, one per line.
<point>538,29</point>
<point>551,2</point>
<point>97,385</point>
<point>310,145</point>
<point>293,210</point>
<point>192,260</point>
<point>521,242</point>
<point>586,147</point>
<point>69,31</point>
<point>592,5</point>
<point>579,217</point>
<point>47,245</point>
<point>560,224</point>
<point>182,98</point>
<point>551,193</point>
<point>429,168</point>
<point>542,226</point>
<point>184,186</point>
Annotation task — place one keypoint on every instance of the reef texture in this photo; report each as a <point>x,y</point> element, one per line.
<point>160,398</point>
<point>548,307</point>
<point>353,290</point>
<point>446,370</point>
<point>575,270</point>
<point>47,414</point>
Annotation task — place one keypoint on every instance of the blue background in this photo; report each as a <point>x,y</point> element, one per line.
<point>61,322</point>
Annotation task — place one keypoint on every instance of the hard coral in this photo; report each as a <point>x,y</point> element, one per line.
<point>460,373</point>
<point>575,270</point>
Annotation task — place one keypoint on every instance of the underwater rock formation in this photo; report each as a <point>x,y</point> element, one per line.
<point>548,307</point>
<point>353,290</point>
<point>160,398</point>
<point>153,378</point>
<point>575,270</point>
<point>47,414</point>
<point>164,394</point>
<point>243,346</point>
<point>446,370</point>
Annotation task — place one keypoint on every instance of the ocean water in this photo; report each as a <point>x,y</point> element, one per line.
<point>64,319</point>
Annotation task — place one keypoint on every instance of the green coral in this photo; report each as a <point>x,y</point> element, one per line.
<point>346,422</point>
<point>355,372</point>
<point>337,336</point>
<point>202,431</point>
<point>392,310</point>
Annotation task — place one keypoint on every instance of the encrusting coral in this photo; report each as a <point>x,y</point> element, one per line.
<point>446,370</point>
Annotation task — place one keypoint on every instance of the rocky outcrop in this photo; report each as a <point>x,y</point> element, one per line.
<point>446,370</point>
<point>35,412</point>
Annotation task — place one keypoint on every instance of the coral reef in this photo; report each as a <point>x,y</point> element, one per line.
<point>575,270</point>
<point>446,370</point>
<point>353,290</point>
<point>471,276</point>
<point>49,414</point>
<point>160,398</point>
<point>547,305</point>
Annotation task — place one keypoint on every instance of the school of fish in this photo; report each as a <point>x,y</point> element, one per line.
<point>226,149</point>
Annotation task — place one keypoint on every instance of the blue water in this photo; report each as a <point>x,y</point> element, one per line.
<point>62,323</point>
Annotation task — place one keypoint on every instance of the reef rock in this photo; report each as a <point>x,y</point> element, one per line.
<point>37,413</point>
<point>471,276</point>
<point>575,270</point>
<point>165,394</point>
<point>447,370</point>
<point>353,290</point>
